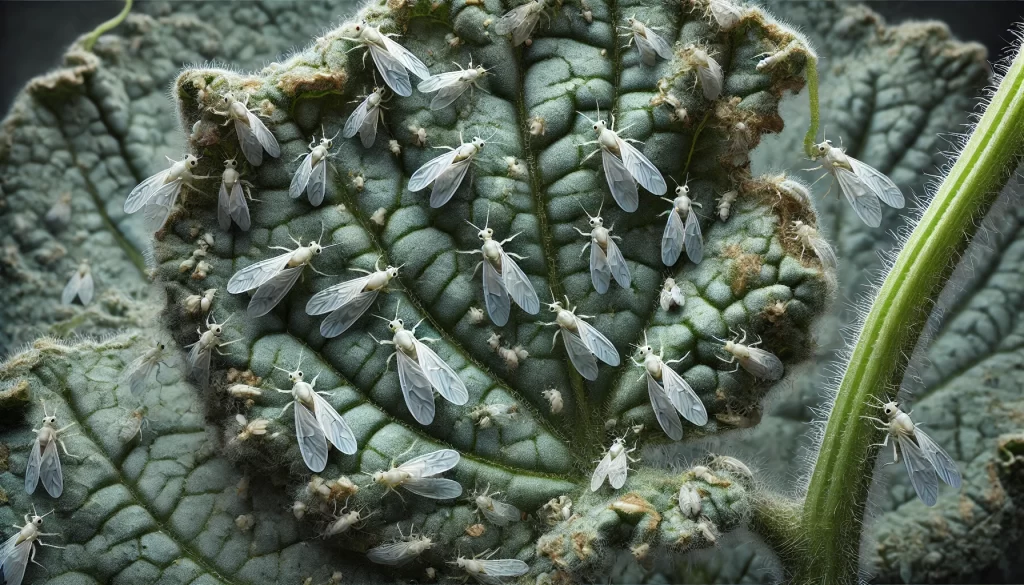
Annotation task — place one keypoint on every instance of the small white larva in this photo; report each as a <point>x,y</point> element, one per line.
<point>80,286</point>
<point>537,125</point>
<point>725,203</point>
<point>451,85</point>
<point>347,301</point>
<point>394,147</point>
<point>298,509</point>
<point>682,229</point>
<point>157,195</point>
<point>400,552</point>
<point>447,171</point>
<point>244,391</point>
<point>416,475</point>
<point>709,72</point>
<point>606,260</point>
<point>613,467</point>
<point>59,215</point>
<point>394,62</point>
<point>274,278</point>
<point>44,460</point>
<point>583,343</point>
<point>231,199</point>
<point>861,184</point>
<point>365,117</point>
<point>197,365</point>
<point>497,512</point>
<point>248,429</point>
<point>311,176</point>
<point>475,315</point>
<point>499,413</point>
<point>648,43</point>
<point>18,550</point>
<point>137,373</point>
<point>670,296</point>
<point>510,357</point>
<point>809,237</point>
<point>689,501</point>
<point>771,59</point>
<point>494,341</point>
<point>200,304</point>
<point>490,571</point>
<point>379,217</point>
<point>757,362</point>
<point>203,269</point>
<point>419,134</point>
<point>554,398</point>
<point>245,522</point>
<point>516,168</point>
<point>253,135</point>
<point>624,165</point>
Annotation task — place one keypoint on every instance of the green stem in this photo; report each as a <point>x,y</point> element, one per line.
<point>834,507</point>
<point>812,95</point>
<point>90,40</point>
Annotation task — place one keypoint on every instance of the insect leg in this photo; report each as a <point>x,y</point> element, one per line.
<point>283,410</point>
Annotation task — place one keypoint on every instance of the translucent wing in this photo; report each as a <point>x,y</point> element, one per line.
<point>878,183</point>
<point>431,170</point>
<point>495,295</point>
<point>601,472</point>
<point>504,567</point>
<point>641,168</point>
<point>394,554</point>
<point>600,273</point>
<point>317,187</point>
<point>683,398</point>
<point>32,467</point>
<point>693,239</point>
<point>617,471</point>
<point>598,343</point>
<point>356,120</point>
<point>238,209</point>
<point>442,377</point>
<point>312,442</point>
<point>223,215</point>
<point>617,264</point>
<point>255,275</point>
<point>336,296</point>
<point>711,79</point>
<point>865,203</point>
<point>343,317</point>
<point>672,238</point>
<point>301,177</point>
<point>944,465</point>
<point>251,147</point>
<point>762,364</point>
<point>579,354</point>
<point>660,46</point>
<point>12,566</point>
<point>435,488</point>
<point>520,21</point>
<point>664,410</point>
<point>264,135</point>
<point>334,426</point>
<point>439,81</point>
<point>71,289</point>
<point>85,291</point>
<point>392,70</point>
<point>270,294</point>
<point>431,463</point>
<point>620,182</point>
<point>368,131</point>
<point>198,365</point>
<point>447,95</point>
<point>648,56</point>
<point>500,513</point>
<point>406,58</point>
<point>144,191</point>
<point>922,475</point>
<point>419,396</point>
<point>448,182</point>
<point>518,285</point>
<point>160,205</point>
<point>824,252</point>
<point>139,371</point>
<point>8,546</point>
<point>49,470</point>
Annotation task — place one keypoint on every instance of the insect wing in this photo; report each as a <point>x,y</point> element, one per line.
<point>139,371</point>
<point>238,209</point>
<point>693,239</point>
<point>504,567</point>
<point>406,58</point>
<point>160,205</point>
<point>442,377</point>
<point>683,398</point>
<point>641,168</point>
<point>419,396</point>
<point>598,343</point>
<point>824,252</point>
<point>620,182</point>
<point>601,472</point>
<point>600,273</point>
<point>434,488</point>
<point>448,85</point>
<point>8,546</point>
<point>264,135</point>
<point>395,553</point>
<point>448,182</point>
<point>724,13</point>
<point>198,364</point>
<point>357,118</point>
<point>71,289</point>
<point>270,293</point>
<point>85,291</point>
<point>317,187</point>
<point>144,191</point>
<point>922,475</point>
<point>672,239</point>
<point>617,264</point>
<point>495,295</point>
<point>336,296</point>
<point>944,465</point>
<point>251,147</point>
<point>658,44</point>
<point>223,215</point>
<point>878,183</point>
<point>368,131</point>
<point>342,318</point>
<point>448,95</point>
<point>49,470</point>
<point>865,203</point>
<point>301,177</point>
<point>617,470</point>
<point>518,285</point>
<point>520,21</point>
<point>431,463</point>
<point>500,513</point>
<point>711,79</point>
<point>334,426</point>
<point>392,70</point>
<point>762,364</point>
<point>13,564</point>
<point>664,410</point>
<point>258,274</point>
<point>311,438</point>
<point>580,355</point>
<point>648,56</point>
<point>431,170</point>
<point>35,456</point>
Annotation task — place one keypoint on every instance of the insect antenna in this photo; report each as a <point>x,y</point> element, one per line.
<point>589,119</point>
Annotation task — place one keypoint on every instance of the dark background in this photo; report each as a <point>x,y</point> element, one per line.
<point>34,33</point>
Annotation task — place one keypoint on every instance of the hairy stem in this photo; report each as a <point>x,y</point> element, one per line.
<point>835,503</point>
<point>90,40</point>
<point>812,96</point>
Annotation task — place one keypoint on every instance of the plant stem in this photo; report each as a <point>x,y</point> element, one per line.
<point>90,40</point>
<point>812,96</point>
<point>835,503</point>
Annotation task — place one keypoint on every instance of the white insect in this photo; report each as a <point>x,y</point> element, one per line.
<point>447,171</point>
<point>606,260</point>
<point>274,277</point>
<point>725,13</point>
<point>316,421</point>
<point>670,295</point>
<point>393,60</point>
<point>925,460</point>
<point>862,185</point>
<point>521,20</point>
<point>613,466</point>
<point>449,86</point>
<point>554,398</point>
<point>497,512</point>
<point>682,229</point>
<point>758,362</point>
<point>200,304</point>
<point>398,553</point>
<point>365,117</point>
<point>197,366</point>
<point>231,204</point>
<point>19,550</point>
<point>253,135</point>
<point>416,474</point>
<point>59,214</point>
<point>81,286</point>
<point>648,43</point>
<point>503,278</point>
<point>348,301</point>
<point>157,195</point>
<point>344,521</point>
<point>487,414</point>
<point>689,501</point>
<point>809,237</point>
<point>491,571</point>
<point>725,203</point>
<point>624,165</point>
<point>709,72</point>
<point>670,393</point>
<point>138,372</point>
<point>44,460</point>
<point>420,370</point>
<point>132,424</point>
<point>311,176</point>
<point>248,429</point>
<point>582,342</point>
